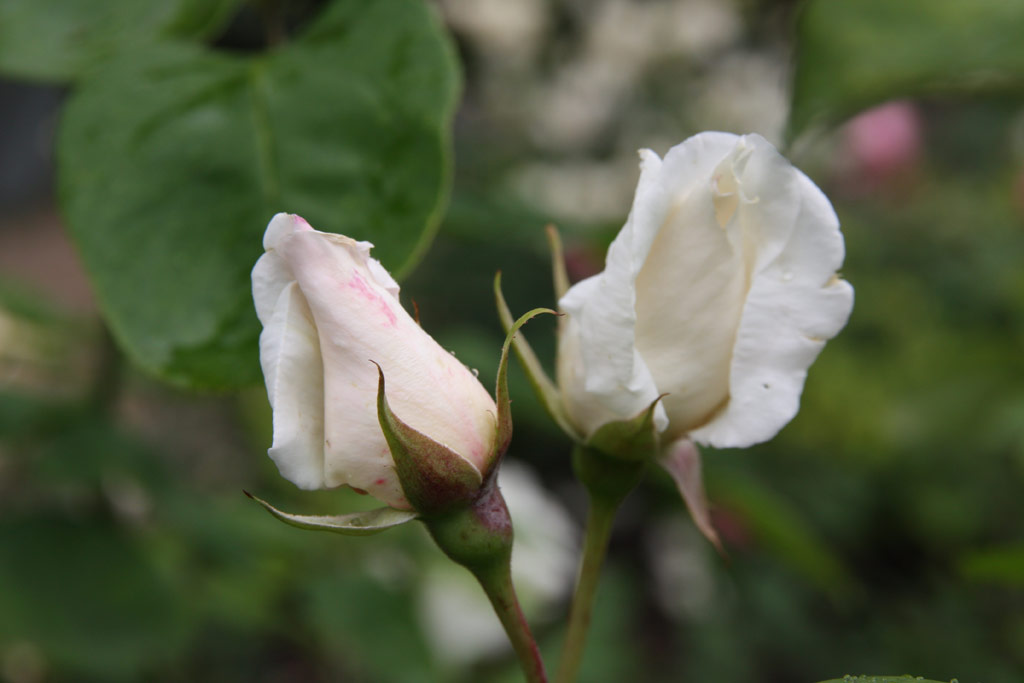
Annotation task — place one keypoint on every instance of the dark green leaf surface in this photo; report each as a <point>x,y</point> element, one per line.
<point>173,161</point>
<point>852,54</point>
<point>58,40</point>
<point>878,679</point>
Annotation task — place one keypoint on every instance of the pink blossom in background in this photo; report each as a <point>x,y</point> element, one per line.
<point>883,144</point>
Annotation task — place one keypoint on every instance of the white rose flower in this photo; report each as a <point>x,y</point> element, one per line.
<point>328,310</point>
<point>718,293</point>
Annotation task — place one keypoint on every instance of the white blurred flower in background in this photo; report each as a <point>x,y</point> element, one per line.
<point>578,190</point>
<point>500,30</point>
<point>684,577</point>
<point>744,92</point>
<point>622,40</point>
<point>663,29</point>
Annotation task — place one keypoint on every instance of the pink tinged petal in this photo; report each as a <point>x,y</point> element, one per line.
<point>359,320</point>
<point>682,461</point>
<point>796,302</point>
<point>282,226</point>
<point>290,355</point>
<point>602,375</point>
<point>380,274</point>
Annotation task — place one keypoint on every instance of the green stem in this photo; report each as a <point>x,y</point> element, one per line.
<point>595,546</point>
<point>608,480</point>
<point>497,584</point>
<point>479,537</point>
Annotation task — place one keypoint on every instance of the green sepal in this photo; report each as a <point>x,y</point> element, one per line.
<point>559,276</point>
<point>613,460</point>
<point>608,479</point>
<point>546,391</point>
<point>434,478</point>
<point>354,524</point>
<point>503,435</point>
<point>633,439</point>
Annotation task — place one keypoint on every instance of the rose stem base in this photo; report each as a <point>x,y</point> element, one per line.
<point>608,481</point>
<point>479,537</point>
<point>599,528</point>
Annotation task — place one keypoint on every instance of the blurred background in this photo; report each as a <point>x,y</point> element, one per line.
<point>882,531</point>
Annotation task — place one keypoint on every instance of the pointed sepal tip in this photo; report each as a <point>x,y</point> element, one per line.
<point>501,395</point>
<point>545,390</point>
<point>434,478</point>
<point>355,524</point>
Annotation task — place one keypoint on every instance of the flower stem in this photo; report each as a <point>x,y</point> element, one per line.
<point>479,537</point>
<point>608,481</point>
<point>497,584</point>
<point>595,545</point>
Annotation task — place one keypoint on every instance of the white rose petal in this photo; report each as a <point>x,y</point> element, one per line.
<point>294,372</point>
<point>718,293</point>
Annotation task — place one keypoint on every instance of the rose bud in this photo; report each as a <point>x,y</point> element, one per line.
<point>330,312</point>
<point>718,294</point>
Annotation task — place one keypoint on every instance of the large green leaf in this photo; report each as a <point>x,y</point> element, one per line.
<point>59,40</point>
<point>173,160</point>
<point>852,54</point>
<point>879,679</point>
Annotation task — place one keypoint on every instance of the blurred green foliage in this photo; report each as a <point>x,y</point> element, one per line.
<point>881,531</point>
<point>852,54</point>
<point>878,679</point>
<point>54,40</point>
